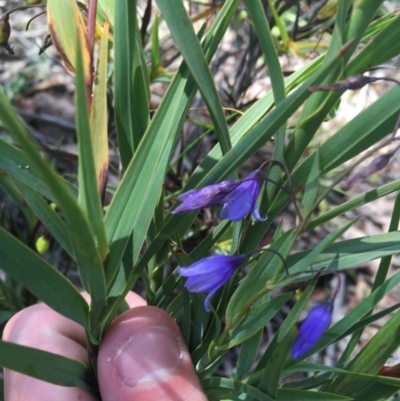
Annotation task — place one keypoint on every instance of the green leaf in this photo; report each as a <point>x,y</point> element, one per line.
<point>371,358</point>
<point>67,28</point>
<point>254,320</point>
<point>46,366</point>
<point>98,116</point>
<point>124,53</point>
<point>187,42</point>
<point>41,279</point>
<point>45,213</point>
<point>17,165</point>
<point>248,353</point>
<point>350,253</point>
<point>256,280</point>
<point>311,188</point>
<point>230,388</point>
<point>270,381</point>
<point>131,81</point>
<point>382,47</point>
<point>309,258</point>
<point>89,196</point>
<point>155,49</point>
<point>89,200</point>
<point>303,395</point>
<point>352,204</point>
<point>82,238</point>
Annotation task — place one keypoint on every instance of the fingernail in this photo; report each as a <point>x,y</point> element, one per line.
<point>152,354</point>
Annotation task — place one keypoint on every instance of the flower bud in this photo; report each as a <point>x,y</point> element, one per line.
<point>5,30</point>
<point>42,245</point>
<point>312,329</point>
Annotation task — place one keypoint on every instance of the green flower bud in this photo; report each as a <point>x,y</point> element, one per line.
<point>42,245</point>
<point>5,30</point>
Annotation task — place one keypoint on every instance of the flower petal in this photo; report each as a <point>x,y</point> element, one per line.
<point>209,274</point>
<point>241,201</point>
<point>209,282</point>
<point>208,300</point>
<point>196,199</point>
<point>257,216</point>
<point>211,264</point>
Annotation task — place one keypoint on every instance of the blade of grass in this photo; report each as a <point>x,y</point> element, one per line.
<point>16,164</point>
<point>89,196</point>
<point>352,204</point>
<point>82,238</point>
<point>98,116</point>
<point>124,53</point>
<point>46,366</point>
<point>46,283</point>
<point>45,213</point>
<point>187,42</point>
<point>67,27</point>
<point>257,13</point>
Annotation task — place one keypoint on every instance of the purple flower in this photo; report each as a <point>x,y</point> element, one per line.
<point>242,200</point>
<point>210,274</point>
<point>239,198</point>
<point>207,196</point>
<point>311,330</point>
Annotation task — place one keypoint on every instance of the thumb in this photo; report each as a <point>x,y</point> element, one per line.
<point>143,358</point>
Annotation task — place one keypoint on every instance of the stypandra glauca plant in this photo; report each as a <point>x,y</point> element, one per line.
<point>152,230</point>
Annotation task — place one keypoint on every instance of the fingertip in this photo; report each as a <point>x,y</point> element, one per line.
<point>143,356</point>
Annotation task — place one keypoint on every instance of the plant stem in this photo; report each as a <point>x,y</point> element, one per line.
<point>91,23</point>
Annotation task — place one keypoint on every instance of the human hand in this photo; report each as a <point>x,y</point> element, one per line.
<point>142,356</point>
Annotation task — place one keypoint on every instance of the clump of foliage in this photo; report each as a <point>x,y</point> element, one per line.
<point>139,236</point>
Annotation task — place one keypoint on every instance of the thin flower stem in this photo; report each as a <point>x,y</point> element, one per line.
<point>285,169</point>
<point>22,8</point>
<point>33,18</point>
<point>272,251</point>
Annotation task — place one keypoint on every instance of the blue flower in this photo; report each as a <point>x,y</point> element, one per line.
<point>239,198</point>
<point>196,199</point>
<point>242,200</point>
<point>311,330</point>
<point>210,274</point>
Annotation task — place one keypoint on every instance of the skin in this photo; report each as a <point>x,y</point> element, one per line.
<point>142,356</point>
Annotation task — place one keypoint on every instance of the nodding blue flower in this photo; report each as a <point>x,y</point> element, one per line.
<point>210,274</point>
<point>207,196</point>
<point>239,198</point>
<point>242,200</point>
<point>311,330</point>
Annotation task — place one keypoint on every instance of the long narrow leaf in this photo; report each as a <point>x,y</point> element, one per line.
<point>98,116</point>
<point>41,279</point>
<point>185,38</point>
<point>45,366</point>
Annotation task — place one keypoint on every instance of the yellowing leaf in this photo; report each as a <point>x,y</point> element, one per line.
<point>67,27</point>
<point>98,118</point>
